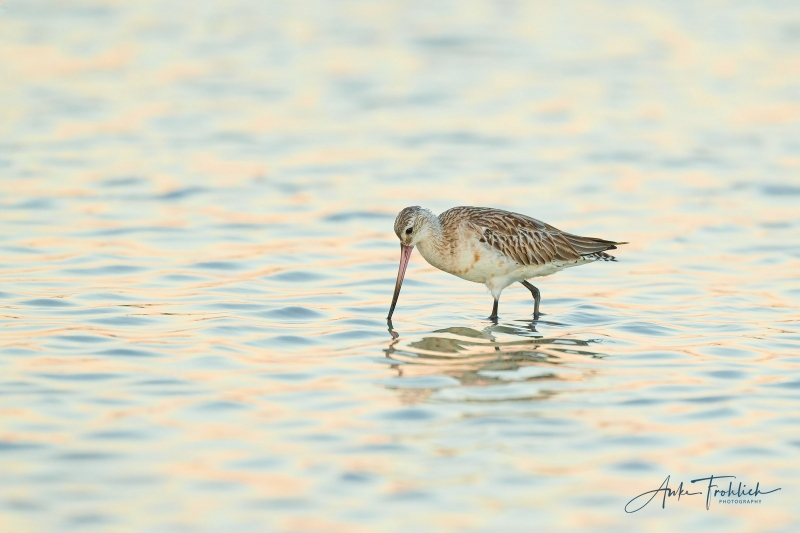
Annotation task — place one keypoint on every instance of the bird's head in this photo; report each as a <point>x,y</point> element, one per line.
<point>412,225</point>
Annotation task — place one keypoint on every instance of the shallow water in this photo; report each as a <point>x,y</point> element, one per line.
<point>197,256</point>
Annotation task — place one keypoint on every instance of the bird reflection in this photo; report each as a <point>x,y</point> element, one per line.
<point>492,355</point>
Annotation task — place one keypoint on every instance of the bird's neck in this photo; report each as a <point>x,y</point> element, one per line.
<point>433,247</point>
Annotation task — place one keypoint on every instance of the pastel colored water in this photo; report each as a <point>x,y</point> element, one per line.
<point>197,256</point>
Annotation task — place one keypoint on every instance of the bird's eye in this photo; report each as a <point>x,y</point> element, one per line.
<point>409,230</point>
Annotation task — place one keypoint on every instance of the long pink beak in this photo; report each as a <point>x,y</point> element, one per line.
<point>405,255</point>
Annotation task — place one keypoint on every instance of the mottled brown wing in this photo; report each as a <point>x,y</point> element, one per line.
<point>531,247</point>
<point>524,239</point>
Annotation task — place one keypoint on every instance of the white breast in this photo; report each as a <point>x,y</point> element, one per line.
<point>470,260</point>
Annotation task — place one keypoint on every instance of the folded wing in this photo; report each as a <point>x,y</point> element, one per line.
<point>529,241</point>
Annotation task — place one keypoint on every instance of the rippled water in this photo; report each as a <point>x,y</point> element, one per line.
<point>197,256</point>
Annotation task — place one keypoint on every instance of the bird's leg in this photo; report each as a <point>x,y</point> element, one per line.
<point>493,316</point>
<point>536,297</point>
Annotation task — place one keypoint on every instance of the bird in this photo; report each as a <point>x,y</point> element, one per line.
<point>492,246</point>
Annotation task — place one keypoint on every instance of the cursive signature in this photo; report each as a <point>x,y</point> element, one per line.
<point>712,490</point>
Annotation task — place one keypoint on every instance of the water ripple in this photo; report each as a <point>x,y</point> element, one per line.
<point>197,258</point>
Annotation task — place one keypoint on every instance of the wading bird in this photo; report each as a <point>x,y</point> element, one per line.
<point>493,247</point>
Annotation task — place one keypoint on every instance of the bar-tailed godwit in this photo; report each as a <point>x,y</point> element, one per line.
<point>493,247</point>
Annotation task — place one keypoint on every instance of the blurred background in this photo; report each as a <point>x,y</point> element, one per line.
<point>197,256</point>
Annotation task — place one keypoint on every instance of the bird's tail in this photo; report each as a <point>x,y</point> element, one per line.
<point>593,248</point>
<point>599,256</point>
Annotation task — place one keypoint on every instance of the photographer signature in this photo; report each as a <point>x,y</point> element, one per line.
<point>712,490</point>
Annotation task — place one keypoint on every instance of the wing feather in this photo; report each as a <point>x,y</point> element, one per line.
<point>524,239</point>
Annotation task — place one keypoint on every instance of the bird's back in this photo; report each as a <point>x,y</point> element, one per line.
<point>523,239</point>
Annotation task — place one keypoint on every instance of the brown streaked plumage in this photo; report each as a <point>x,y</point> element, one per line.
<point>493,247</point>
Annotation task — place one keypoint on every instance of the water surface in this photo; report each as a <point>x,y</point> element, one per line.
<point>197,256</point>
